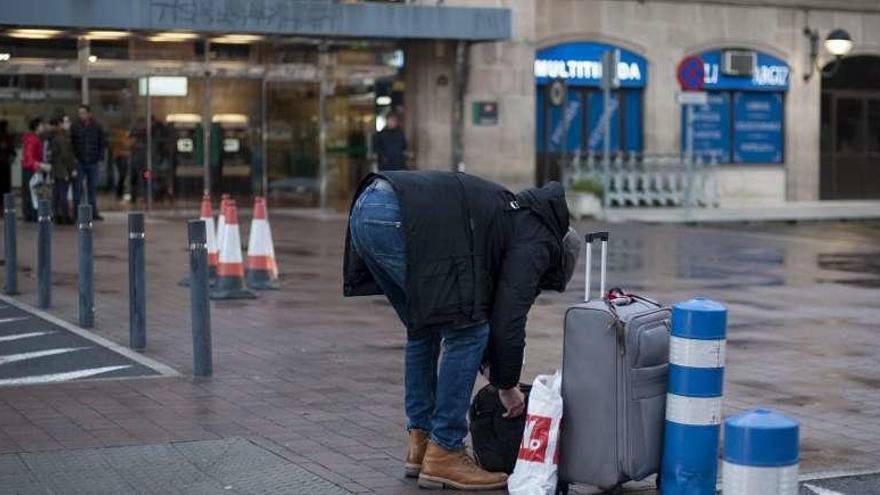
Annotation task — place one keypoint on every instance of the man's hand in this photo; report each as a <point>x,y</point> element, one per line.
<point>513,400</point>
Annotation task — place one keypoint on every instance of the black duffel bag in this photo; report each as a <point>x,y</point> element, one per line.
<point>495,439</point>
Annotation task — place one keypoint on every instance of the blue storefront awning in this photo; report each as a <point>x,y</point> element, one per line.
<point>770,74</point>
<point>580,64</point>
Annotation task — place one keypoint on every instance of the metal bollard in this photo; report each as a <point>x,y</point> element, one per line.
<point>693,401</point>
<point>10,248</point>
<point>137,283</point>
<point>760,454</point>
<point>86,267</point>
<point>44,253</point>
<point>198,289</point>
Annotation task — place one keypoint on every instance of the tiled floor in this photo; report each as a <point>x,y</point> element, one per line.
<point>316,378</point>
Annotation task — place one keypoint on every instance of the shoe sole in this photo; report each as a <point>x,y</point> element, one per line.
<point>412,470</point>
<point>437,483</point>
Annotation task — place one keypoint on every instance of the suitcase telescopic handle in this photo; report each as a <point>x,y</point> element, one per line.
<point>589,238</point>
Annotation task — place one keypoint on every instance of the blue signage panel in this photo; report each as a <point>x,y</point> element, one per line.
<point>580,64</point>
<point>711,128</point>
<point>771,74</point>
<point>595,107</point>
<point>757,124</point>
<point>565,125</point>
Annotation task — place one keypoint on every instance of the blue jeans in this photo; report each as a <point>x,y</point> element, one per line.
<point>436,400</point>
<point>85,172</point>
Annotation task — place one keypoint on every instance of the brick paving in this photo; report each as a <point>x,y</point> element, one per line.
<point>317,379</point>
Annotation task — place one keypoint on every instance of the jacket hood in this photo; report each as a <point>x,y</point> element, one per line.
<point>548,202</point>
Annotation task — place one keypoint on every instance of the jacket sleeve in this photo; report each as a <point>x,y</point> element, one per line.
<point>516,290</point>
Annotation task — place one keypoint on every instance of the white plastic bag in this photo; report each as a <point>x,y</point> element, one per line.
<point>537,461</point>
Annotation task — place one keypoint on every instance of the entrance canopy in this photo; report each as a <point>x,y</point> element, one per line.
<point>282,17</point>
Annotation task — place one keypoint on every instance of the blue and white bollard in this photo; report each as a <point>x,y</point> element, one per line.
<point>760,454</point>
<point>693,399</point>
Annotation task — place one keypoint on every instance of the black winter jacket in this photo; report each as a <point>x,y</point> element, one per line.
<point>88,142</point>
<point>475,253</point>
<point>389,146</point>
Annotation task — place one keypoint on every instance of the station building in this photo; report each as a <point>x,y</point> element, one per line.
<point>291,92</point>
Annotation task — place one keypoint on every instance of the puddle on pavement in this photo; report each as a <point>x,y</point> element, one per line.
<point>864,380</point>
<point>108,257</point>
<point>867,264</point>
<point>293,250</point>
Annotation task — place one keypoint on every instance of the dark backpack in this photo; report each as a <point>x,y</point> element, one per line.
<point>495,439</point>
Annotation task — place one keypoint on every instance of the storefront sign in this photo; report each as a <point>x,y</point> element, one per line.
<point>163,86</point>
<point>485,113</point>
<point>770,74</point>
<point>580,64</point>
<point>757,124</point>
<point>711,128</point>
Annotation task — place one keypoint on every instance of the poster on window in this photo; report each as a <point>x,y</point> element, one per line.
<point>757,127</point>
<point>711,128</point>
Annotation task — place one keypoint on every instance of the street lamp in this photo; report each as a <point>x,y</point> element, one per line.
<point>837,43</point>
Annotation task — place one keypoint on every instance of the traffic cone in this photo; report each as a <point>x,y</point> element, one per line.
<point>221,221</point>
<point>261,272</point>
<point>207,215</point>
<point>230,270</point>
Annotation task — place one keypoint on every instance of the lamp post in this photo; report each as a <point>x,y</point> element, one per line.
<point>838,43</point>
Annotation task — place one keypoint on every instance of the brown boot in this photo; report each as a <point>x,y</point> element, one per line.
<point>415,452</point>
<point>443,468</point>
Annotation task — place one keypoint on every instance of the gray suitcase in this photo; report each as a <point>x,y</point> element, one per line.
<point>614,371</point>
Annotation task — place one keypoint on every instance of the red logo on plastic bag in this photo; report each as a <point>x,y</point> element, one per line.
<point>535,437</point>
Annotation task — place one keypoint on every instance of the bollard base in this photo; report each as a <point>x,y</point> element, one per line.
<point>260,280</point>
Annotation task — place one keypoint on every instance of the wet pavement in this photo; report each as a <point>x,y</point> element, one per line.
<point>316,378</point>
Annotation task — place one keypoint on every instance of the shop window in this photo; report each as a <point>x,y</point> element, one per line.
<point>575,126</point>
<point>742,121</point>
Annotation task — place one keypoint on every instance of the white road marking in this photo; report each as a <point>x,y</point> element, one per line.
<point>23,356</point>
<point>14,318</point>
<point>18,336</point>
<point>162,369</point>
<point>60,377</point>
<point>818,490</point>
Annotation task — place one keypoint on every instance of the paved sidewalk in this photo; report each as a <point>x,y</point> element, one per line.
<point>790,211</point>
<point>317,379</point>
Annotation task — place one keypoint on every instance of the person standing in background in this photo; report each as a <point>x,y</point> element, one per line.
<point>389,144</point>
<point>31,162</point>
<point>7,155</point>
<point>89,144</point>
<point>63,164</point>
<point>120,149</point>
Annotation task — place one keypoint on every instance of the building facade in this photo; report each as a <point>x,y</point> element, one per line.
<point>286,94</point>
<point>791,128</point>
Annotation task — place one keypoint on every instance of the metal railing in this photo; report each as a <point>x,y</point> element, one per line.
<point>650,179</point>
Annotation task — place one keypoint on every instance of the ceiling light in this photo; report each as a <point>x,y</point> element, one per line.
<point>172,36</point>
<point>183,118</point>
<point>33,34</point>
<point>383,100</point>
<point>230,118</point>
<point>237,39</point>
<point>838,43</point>
<point>106,35</point>
<point>93,58</point>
